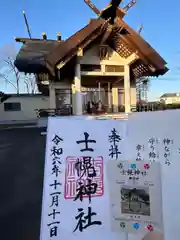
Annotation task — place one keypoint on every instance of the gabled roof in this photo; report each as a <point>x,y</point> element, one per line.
<point>47,54</point>
<point>80,39</point>
<point>131,39</point>
<point>31,57</point>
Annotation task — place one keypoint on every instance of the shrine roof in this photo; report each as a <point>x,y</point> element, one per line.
<point>81,39</point>
<point>47,54</point>
<point>31,57</point>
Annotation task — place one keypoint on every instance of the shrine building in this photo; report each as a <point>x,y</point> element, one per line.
<point>99,62</point>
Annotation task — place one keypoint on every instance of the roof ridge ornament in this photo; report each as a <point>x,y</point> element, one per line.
<point>110,14</point>
<point>112,9</point>
<point>140,28</point>
<point>129,5</point>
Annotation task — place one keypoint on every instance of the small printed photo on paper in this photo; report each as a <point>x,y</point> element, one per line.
<point>135,200</point>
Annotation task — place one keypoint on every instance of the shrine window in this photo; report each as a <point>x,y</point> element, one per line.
<point>90,68</point>
<point>114,68</point>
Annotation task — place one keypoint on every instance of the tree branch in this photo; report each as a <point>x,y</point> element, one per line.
<point>7,69</point>
<point>7,80</point>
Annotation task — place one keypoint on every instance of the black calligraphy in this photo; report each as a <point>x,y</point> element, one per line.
<point>86,190</point>
<point>85,170</point>
<point>158,149</point>
<point>85,167</point>
<point>86,186</point>
<point>86,142</point>
<point>85,221</point>
<point>133,174</point>
<point>114,139</point>
<point>167,150</point>
<point>53,228</point>
<point>53,214</point>
<point>55,186</point>
<point>153,154</point>
<point>55,199</point>
<point>139,149</point>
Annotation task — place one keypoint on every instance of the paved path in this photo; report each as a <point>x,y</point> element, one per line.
<point>21,178</point>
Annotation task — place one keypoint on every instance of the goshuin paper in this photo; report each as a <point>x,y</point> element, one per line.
<point>136,199</point>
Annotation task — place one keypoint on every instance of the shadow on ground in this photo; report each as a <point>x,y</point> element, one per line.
<point>22,154</point>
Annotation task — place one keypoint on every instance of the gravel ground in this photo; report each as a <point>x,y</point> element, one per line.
<point>22,154</point>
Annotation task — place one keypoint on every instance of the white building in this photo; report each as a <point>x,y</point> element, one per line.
<point>170,98</point>
<point>22,107</point>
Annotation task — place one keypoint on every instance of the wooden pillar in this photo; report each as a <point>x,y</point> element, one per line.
<point>115,101</point>
<point>77,85</point>
<point>127,89</point>
<point>109,97</point>
<point>52,96</point>
<point>73,99</point>
<point>99,91</point>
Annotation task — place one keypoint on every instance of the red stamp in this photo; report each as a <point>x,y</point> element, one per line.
<point>73,175</point>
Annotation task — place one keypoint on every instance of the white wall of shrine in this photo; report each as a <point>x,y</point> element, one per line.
<point>123,93</point>
<point>91,56</point>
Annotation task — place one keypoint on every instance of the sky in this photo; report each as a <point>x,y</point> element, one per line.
<point>159,18</point>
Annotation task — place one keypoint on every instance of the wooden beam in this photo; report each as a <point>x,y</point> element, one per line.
<point>116,74</point>
<point>106,34</point>
<point>24,40</point>
<point>115,3</point>
<point>120,12</point>
<point>83,45</point>
<point>131,59</point>
<point>93,7</point>
<point>51,69</point>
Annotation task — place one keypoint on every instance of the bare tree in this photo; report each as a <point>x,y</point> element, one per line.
<point>30,83</point>
<point>10,73</point>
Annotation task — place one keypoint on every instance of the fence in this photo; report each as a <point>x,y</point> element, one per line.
<point>66,110</point>
<point>155,106</point>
